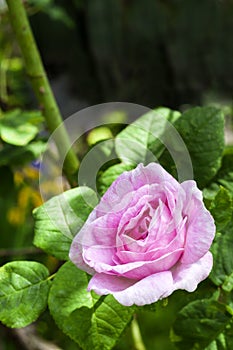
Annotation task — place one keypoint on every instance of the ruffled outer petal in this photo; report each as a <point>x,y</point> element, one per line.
<point>76,257</point>
<point>189,276</point>
<point>200,224</point>
<point>128,292</point>
<point>147,291</point>
<point>130,181</point>
<point>154,287</point>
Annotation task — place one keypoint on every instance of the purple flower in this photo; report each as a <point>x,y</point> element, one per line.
<point>148,237</point>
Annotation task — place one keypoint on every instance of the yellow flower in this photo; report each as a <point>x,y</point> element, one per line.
<point>15,216</point>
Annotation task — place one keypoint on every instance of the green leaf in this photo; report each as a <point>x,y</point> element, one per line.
<point>59,219</point>
<point>111,174</point>
<point>100,154</point>
<point>16,155</point>
<point>221,208</point>
<point>92,321</point>
<point>140,141</point>
<point>24,288</point>
<point>200,323</point>
<point>224,176</point>
<point>209,193</point>
<point>222,272</point>
<point>40,3</point>
<point>98,134</point>
<point>223,342</point>
<point>19,128</point>
<point>58,13</point>
<point>202,130</point>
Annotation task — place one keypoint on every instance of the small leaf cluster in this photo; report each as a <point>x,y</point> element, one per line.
<point>20,141</point>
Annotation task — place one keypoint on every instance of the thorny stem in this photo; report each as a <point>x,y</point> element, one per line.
<point>136,335</point>
<point>36,72</point>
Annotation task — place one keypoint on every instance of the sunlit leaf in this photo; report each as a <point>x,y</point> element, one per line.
<point>19,128</point>
<point>58,220</point>
<point>92,321</point>
<point>24,288</point>
<point>200,324</point>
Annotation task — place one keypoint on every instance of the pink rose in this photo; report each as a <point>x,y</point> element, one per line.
<point>148,237</point>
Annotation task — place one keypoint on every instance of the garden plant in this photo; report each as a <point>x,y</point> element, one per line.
<point>137,220</point>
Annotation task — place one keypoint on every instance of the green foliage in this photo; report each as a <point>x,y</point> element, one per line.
<point>19,128</point>
<point>106,178</point>
<point>94,322</point>
<point>53,10</point>
<point>202,324</point>
<point>202,130</point>
<point>24,288</point>
<point>12,83</point>
<point>224,176</point>
<point>98,134</point>
<point>142,141</point>
<point>19,135</point>
<point>221,208</point>
<point>58,220</point>
<point>222,270</point>
<point>15,155</point>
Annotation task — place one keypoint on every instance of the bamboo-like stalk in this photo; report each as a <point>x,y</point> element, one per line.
<point>36,72</point>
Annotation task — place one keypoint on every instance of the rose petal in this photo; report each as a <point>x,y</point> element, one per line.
<point>92,235</point>
<point>128,292</point>
<point>76,257</point>
<point>153,173</point>
<point>103,284</point>
<point>139,269</point>
<point>150,250</point>
<point>154,287</point>
<point>131,181</point>
<point>189,276</point>
<point>99,255</point>
<point>162,225</point>
<point>135,211</point>
<point>146,291</point>
<point>200,224</point>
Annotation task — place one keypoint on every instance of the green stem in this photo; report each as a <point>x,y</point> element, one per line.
<point>51,277</point>
<point>136,335</point>
<point>36,72</point>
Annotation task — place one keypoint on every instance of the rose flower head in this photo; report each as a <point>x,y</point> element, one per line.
<point>148,237</point>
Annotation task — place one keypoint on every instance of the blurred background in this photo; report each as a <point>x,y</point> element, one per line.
<point>149,52</point>
<point>173,53</point>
